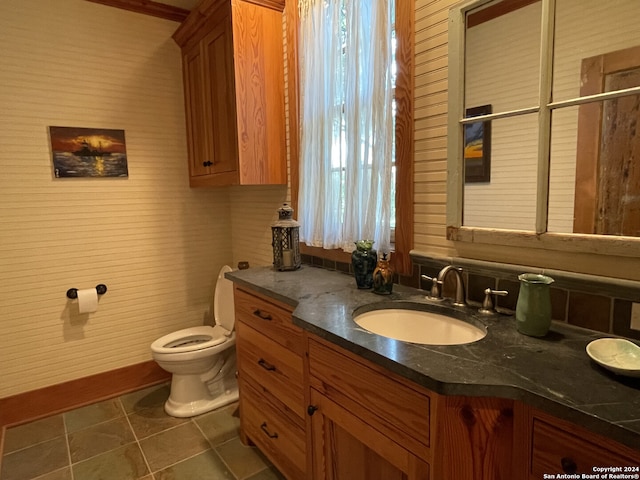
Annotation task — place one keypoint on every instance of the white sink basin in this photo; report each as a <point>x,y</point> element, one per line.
<point>418,326</point>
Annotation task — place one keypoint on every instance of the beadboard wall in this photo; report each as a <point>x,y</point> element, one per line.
<point>430,167</point>
<point>155,243</point>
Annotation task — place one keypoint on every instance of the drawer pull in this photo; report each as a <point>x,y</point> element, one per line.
<point>568,465</point>
<point>266,365</point>
<point>264,428</point>
<point>263,316</point>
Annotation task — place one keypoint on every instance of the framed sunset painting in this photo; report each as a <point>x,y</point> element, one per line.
<point>477,147</point>
<point>88,152</point>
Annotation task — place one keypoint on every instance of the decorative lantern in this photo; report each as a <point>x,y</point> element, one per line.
<point>286,240</point>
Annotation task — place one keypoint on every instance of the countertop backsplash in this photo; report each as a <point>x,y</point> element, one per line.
<point>598,303</point>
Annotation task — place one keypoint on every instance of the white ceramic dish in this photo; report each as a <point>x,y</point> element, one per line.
<point>616,354</point>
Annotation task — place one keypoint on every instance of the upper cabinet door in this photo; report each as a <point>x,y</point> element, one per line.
<point>233,64</point>
<point>219,95</point>
<point>259,82</point>
<point>199,155</point>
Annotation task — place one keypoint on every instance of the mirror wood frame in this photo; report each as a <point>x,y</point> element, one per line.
<point>540,238</point>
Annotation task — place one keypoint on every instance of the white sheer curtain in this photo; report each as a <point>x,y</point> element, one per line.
<point>345,59</point>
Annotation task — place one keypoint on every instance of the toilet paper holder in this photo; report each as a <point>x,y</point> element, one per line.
<point>72,293</point>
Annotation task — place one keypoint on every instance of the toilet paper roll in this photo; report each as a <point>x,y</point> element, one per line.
<point>87,300</point>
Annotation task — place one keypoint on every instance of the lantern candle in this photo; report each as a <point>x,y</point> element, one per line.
<point>286,240</point>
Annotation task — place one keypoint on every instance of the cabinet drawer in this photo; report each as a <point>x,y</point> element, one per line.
<point>556,450</point>
<point>271,365</point>
<point>268,318</point>
<point>393,407</point>
<point>281,440</point>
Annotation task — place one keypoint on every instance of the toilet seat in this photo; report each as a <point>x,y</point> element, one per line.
<point>200,338</point>
<point>191,339</point>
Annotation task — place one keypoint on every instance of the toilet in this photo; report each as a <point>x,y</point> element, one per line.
<point>202,359</point>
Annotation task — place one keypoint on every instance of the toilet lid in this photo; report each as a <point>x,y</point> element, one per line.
<point>223,309</point>
<point>190,340</point>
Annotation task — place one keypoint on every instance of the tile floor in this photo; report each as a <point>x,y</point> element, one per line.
<point>130,437</point>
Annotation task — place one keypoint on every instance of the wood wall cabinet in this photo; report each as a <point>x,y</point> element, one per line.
<point>233,72</point>
<point>270,376</point>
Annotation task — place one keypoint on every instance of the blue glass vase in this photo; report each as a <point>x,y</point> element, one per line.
<point>363,260</point>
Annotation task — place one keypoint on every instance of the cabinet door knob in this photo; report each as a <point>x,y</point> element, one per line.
<point>208,163</point>
<point>568,465</point>
<point>311,409</point>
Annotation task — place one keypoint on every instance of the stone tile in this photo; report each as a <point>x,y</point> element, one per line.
<point>509,301</point>
<point>99,438</point>
<point>172,446</point>
<point>622,319</point>
<point>40,459</point>
<point>558,304</point>
<point>267,474</point>
<point>150,397</point>
<point>221,425</point>
<point>476,285</point>
<point>16,438</point>
<point>150,421</point>
<point>589,311</point>
<point>204,466</point>
<point>243,461</point>
<point>124,463</point>
<point>63,474</point>
<point>93,414</point>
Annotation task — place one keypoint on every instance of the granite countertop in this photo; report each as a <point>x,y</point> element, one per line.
<point>553,373</point>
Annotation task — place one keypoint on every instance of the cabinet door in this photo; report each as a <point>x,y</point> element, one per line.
<point>555,450</point>
<point>345,447</point>
<point>219,95</point>
<point>192,64</point>
<point>259,82</point>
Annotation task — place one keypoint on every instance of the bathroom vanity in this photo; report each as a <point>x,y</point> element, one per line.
<point>323,398</point>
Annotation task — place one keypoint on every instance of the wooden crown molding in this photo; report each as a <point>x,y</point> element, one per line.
<point>148,7</point>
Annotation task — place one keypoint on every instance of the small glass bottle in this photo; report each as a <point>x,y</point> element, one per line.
<point>383,277</point>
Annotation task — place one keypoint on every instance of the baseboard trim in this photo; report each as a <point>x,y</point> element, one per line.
<point>62,397</point>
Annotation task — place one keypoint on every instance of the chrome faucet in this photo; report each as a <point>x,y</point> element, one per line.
<point>438,284</point>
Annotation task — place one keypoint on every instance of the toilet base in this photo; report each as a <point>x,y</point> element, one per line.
<point>193,394</point>
<point>200,406</point>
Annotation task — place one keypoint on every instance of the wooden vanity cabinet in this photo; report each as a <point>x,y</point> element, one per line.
<point>233,73</point>
<point>365,424</point>
<point>555,446</point>
<point>319,411</point>
<point>270,377</point>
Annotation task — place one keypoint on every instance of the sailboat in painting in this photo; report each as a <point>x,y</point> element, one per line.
<point>88,152</point>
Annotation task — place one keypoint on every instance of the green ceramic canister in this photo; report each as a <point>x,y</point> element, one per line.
<point>533,310</point>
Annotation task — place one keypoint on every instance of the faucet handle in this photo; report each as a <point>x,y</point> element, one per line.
<point>487,304</point>
<point>434,293</point>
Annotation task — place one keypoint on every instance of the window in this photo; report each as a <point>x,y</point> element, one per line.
<point>399,175</point>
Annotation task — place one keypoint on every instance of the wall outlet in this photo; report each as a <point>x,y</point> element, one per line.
<point>635,316</point>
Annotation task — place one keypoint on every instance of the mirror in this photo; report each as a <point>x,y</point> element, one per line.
<point>555,147</point>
